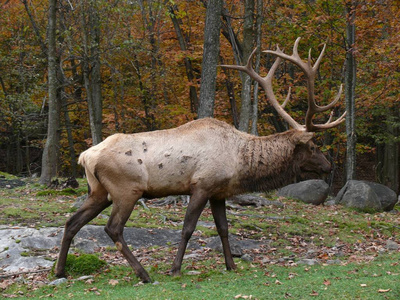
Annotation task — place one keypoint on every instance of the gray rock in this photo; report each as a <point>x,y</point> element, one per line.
<point>193,272</point>
<point>237,245</point>
<point>247,257</point>
<point>334,262</point>
<point>83,278</point>
<point>366,196</point>
<point>86,246</point>
<point>308,261</point>
<point>254,200</point>
<point>79,201</point>
<point>311,254</point>
<point>58,281</point>
<point>15,241</point>
<point>215,243</point>
<point>23,263</point>
<point>392,245</point>
<point>386,196</point>
<point>136,237</point>
<point>313,191</point>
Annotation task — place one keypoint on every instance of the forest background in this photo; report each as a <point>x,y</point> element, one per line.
<point>132,66</point>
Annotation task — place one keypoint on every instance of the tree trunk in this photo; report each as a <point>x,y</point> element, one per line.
<point>68,125</point>
<point>97,97</point>
<point>248,43</point>
<point>350,86</point>
<point>254,112</point>
<point>194,101</point>
<point>210,58</point>
<point>91,69</point>
<point>230,88</point>
<point>388,171</point>
<point>50,152</point>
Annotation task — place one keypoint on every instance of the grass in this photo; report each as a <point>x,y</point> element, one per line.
<point>356,240</point>
<point>373,280</point>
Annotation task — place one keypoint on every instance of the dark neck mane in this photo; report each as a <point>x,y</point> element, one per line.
<point>268,162</point>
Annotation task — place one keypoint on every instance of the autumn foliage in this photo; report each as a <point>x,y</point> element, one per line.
<point>144,78</point>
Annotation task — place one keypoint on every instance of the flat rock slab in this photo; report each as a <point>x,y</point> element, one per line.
<point>17,243</point>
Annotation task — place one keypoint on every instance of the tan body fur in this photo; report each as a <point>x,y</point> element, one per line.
<point>206,152</point>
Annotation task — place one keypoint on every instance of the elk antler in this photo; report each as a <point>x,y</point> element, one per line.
<point>310,72</point>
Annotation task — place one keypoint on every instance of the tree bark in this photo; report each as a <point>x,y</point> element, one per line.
<point>254,110</point>
<point>247,45</point>
<point>388,170</point>
<point>91,69</point>
<point>70,138</point>
<point>194,101</point>
<point>50,152</point>
<point>350,86</point>
<point>210,58</point>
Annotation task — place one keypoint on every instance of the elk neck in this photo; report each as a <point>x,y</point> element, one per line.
<point>268,162</point>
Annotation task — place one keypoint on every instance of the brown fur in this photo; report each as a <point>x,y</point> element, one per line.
<point>207,158</point>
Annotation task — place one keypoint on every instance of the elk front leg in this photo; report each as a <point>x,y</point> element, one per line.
<point>193,212</point>
<point>219,213</point>
<point>122,209</point>
<point>93,205</point>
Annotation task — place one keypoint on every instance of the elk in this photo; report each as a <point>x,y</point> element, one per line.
<point>206,158</point>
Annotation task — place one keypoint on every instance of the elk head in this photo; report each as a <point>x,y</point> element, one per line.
<point>310,161</point>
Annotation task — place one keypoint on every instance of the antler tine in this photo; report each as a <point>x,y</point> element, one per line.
<point>246,68</point>
<point>295,47</point>
<point>329,124</point>
<point>287,97</point>
<point>332,104</point>
<point>316,65</point>
<point>294,58</point>
<point>250,59</point>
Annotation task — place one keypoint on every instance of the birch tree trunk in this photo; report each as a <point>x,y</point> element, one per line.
<point>210,58</point>
<point>50,152</point>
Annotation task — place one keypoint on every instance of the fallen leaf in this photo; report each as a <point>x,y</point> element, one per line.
<point>113,282</point>
<point>314,293</point>
<point>327,282</point>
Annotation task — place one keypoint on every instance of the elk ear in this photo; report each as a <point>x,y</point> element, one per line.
<point>305,137</point>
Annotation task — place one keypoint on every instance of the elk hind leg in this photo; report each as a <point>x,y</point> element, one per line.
<point>122,209</point>
<point>218,209</point>
<point>94,204</point>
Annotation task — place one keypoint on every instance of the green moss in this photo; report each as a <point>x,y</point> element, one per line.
<point>7,176</point>
<point>84,264</point>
